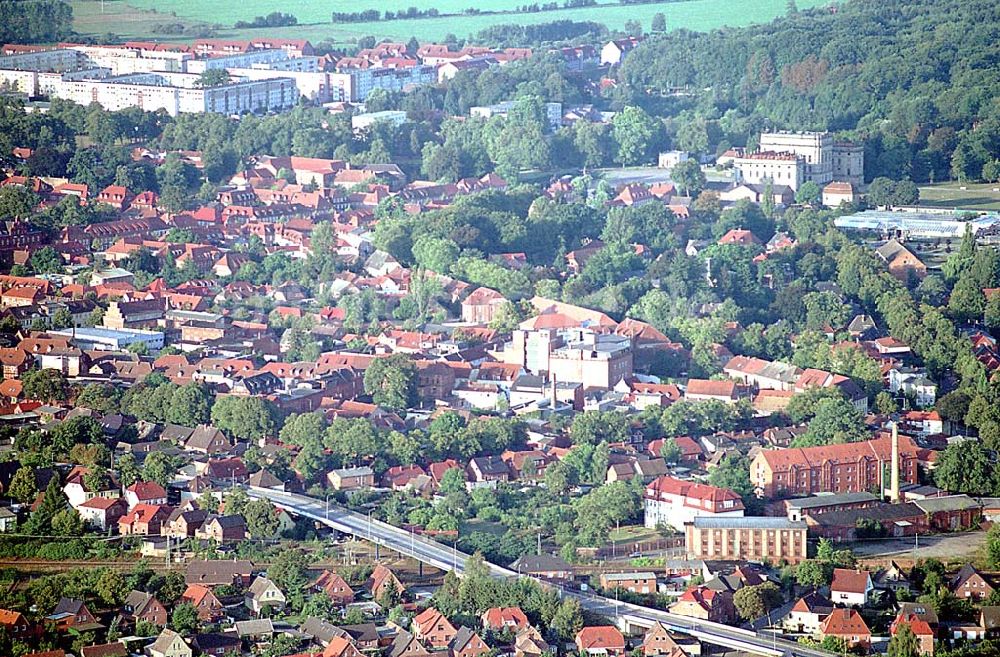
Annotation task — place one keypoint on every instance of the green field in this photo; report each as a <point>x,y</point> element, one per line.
<point>135,18</point>
<point>982,196</point>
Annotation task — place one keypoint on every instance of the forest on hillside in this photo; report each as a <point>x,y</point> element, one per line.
<point>917,81</point>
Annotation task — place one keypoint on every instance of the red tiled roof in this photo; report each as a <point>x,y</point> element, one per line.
<point>850,581</point>
<point>601,636</point>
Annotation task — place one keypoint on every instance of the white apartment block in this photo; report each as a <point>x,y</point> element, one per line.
<point>176,93</point>
<point>674,503</point>
<point>354,85</point>
<point>118,77</point>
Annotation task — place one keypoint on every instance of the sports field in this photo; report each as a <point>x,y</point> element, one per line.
<point>135,18</point>
<point>962,196</point>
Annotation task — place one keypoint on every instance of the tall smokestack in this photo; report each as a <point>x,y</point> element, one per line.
<point>894,485</point>
<point>552,390</point>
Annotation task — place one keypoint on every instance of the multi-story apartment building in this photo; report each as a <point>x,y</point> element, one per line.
<point>750,538</point>
<point>674,503</point>
<point>845,468</point>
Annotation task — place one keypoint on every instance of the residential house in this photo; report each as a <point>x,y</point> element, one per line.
<point>406,645</point>
<point>15,624</point>
<point>902,263</point>
<point>206,439</point>
<point>433,629</point>
<point>487,471</point>
<point>706,604</point>
<point>467,644</point>
<point>169,644</point>
<point>600,641</point>
<point>217,644</point>
<point>501,618</point>
<point>482,305</point>
<point>72,614</point>
<point>218,572</point>
<point>142,606</point>
<point>657,642</point>
<point>115,649</point>
<point>614,51</point>
<point>208,606</point>
<point>921,629</point>
<point>143,520</point>
<point>807,614</point>
<point>970,584</point>
<point>542,565</point>
<point>351,478</point>
<point>341,646</point>
<point>848,625</point>
<point>223,529</point>
<point>145,492</point>
<point>184,524</point>
<point>639,582</point>
<point>382,581</point>
<point>263,594</point>
<point>851,587</point>
<point>102,512</point>
<point>529,643</point>
<point>335,587</point>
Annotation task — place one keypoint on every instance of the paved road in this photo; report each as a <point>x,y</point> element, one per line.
<point>449,558</point>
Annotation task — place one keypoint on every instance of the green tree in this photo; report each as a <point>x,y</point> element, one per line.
<point>811,573</point>
<point>261,519</point>
<point>67,523</point>
<point>903,643</point>
<point>190,405</point>
<point>46,385</point>
<point>249,418</point>
<point>733,473</point>
<point>808,193</point>
<point>184,620</point>
<point>213,77</point>
<point>754,601</point>
<point>885,403</point>
<point>392,382</point>
<point>23,487</point>
<point>52,503</point>
<point>966,467</point>
<point>159,467</point>
<point>688,176</point>
<point>634,131</point>
<point>992,547</point>
<point>568,620</point>
<point>594,427</point>
<point>99,397</point>
<point>47,260</point>
<point>837,420</point>
<point>659,23</point>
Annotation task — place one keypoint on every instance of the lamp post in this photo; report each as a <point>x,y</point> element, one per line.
<point>328,505</point>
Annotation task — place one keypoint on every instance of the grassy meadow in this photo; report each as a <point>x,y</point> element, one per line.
<point>136,18</point>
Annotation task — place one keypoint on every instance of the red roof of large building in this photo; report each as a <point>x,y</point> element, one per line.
<point>880,449</point>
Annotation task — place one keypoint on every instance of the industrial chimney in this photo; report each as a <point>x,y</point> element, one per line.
<point>894,485</point>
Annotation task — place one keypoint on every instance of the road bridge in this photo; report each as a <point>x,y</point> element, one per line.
<point>628,616</point>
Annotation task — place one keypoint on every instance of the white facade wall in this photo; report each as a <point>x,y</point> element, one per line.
<point>676,511</point>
